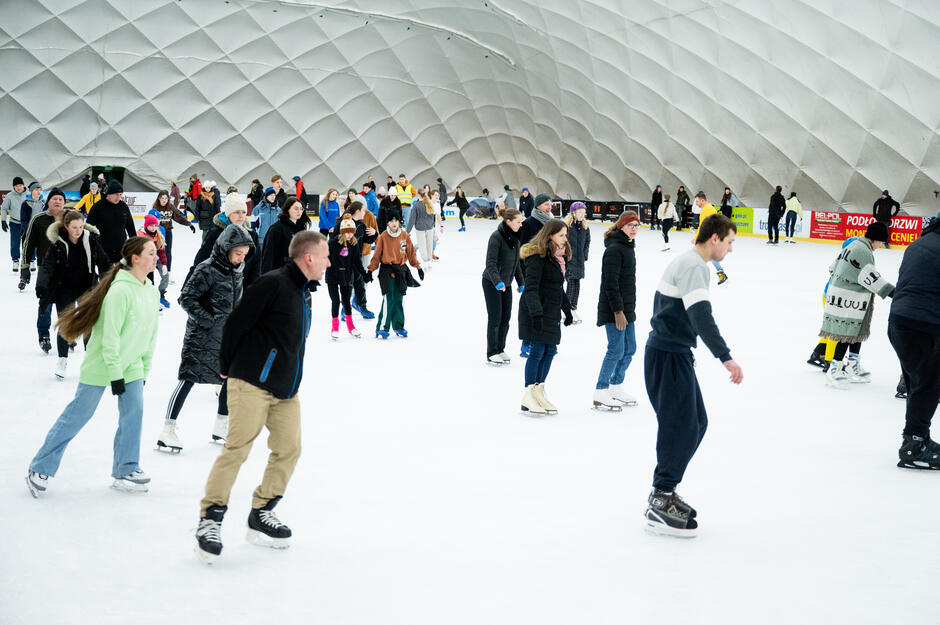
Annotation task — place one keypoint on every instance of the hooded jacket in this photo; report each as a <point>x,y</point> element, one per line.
<point>167,215</point>
<point>53,273</point>
<point>30,207</point>
<point>114,221</point>
<point>263,216</point>
<point>372,203</point>
<point>778,205</point>
<point>264,338</point>
<point>850,296</point>
<point>209,296</point>
<point>618,279</point>
<point>526,204</point>
<point>252,264</point>
<point>205,209</point>
<point>88,200</point>
<point>10,208</point>
<point>389,206</point>
<point>345,261</point>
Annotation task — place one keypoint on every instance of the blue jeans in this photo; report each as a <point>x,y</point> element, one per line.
<point>77,414</point>
<point>790,223</point>
<point>539,362</point>
<point>16,240</point>
<point>44,320</point>
<point>621,345</point>
<point>405,214</point>
<point>717,265</point>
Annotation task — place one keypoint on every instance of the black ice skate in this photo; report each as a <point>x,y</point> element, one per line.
<point>209,534</point>
<point>668,514</point>
<point>914,454</point>
<point>901,391</point>
<point>265,529</point>
<point>817,360</point>
<point>45,344</point>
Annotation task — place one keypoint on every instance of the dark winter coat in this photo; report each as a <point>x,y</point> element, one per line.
<point>281,197</point>
<point>502,257</point>
<point>388,207</point>
<point>256,194</point>
<point>29,208</point>
<point>209,296</point>
<point>263,342</point>
<point>252,264</point>
<point>54,275</point>
<point>618,279</point>
<point>579,238</point>
<point>916,301</point>
<point>532,225</point>
<point>345,262</point>
<point>778,205</point>
<point>885,208</point>
<point>277,241</point>
<point>35,241</point>
<point>655,201</point>
<point>543,300</point>
<point>461,201</point>
<point>114,222</point>
<point>682,199</point>
<point>205,210</point>
<point>526,204</point>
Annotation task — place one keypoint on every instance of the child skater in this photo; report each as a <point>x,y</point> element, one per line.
<point>393,249</point>
<point>345,263</point>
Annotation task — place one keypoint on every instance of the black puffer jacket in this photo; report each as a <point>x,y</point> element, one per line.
<point>389,206</point>
<point>277,241</point>
<point>252,263</point>
<point>579,238</point>
<point>264,339</point>
<point>543,299</point>
<point>114,222</point>
<point>502,257</point>
<point>526,204</point>
<point>345,262</point>
<point>209,297</point>
<point>618,279</point>
<point>53,274</point>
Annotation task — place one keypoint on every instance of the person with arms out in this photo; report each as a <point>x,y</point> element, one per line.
<point>616,311</point>
<point>502,265</point>
<point>261,356</point>
<point>167,213</point>
<point>121,313</point>
<point>541,307</point>
<point>10,219</point>
<point>460,199</point>
<point>393,249</point>
<point>210,294</point>
<point>682,312</point>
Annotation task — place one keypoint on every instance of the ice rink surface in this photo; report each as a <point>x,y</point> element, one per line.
<point>424,497</point>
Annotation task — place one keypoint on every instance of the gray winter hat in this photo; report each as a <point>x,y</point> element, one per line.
<point>541,198</point>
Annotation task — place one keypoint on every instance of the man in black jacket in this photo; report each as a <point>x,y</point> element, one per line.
<point>37,242</point>
<point>113,219</point>
<point>541,215</point>
<point>262,357</point>
<point>778,206</point>
<point>884,209</point>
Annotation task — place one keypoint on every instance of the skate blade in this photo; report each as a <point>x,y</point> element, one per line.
<point>60,378</point>
<point>659,529</point>
<point>204,556</point>
<point>262,540</point>
<point>216,440</point>
<point>124,486</point>
<point>355,336</point>
<point>496,364</point>
<point>913,465</point>
<point>32,489</point>
<point>167,449</point>
<point>627,403</point>
<point>860,381</point>
<point>598,406</point>
<point>525,412</point>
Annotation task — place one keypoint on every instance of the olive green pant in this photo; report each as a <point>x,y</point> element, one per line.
<point>251,408</point>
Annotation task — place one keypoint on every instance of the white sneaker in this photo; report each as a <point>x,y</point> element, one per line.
<point>618,393</point>
<point>857,374</point>
<point>837,377</point>
<point>603,400</point>
<point>169,440</point>
<point>220,429</point>
<point>60,366</point>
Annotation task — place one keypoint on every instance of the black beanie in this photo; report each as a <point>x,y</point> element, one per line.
<point>55,191</point>
<point>17,181</point>
<point>877,231</point>
<point>114,187</point>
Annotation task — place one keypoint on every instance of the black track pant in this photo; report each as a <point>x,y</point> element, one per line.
<point>573,292</point>
<point>841,348</point>
<point>181,392</point>
<point>338,292</point>
<point>498,314</point>
<point>359,290</point>
<point>919,353</point>
<point>773,229</point>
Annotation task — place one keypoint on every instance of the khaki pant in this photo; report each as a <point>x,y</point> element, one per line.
<point>251,408</point>
<point>425,239</point>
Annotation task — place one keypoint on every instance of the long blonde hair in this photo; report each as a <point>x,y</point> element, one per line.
<point>79,320</point>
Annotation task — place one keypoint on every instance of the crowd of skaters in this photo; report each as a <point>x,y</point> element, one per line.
<point>101,271</point>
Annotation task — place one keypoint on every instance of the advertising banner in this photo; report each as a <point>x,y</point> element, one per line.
<point>904,229</point>
<point>743,218</point>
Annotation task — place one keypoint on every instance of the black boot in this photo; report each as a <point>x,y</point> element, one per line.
<point>264,528</point>
<point>209,534</point>
<point>44,344</point>
<point>914,454</point>
<point>668,514</point>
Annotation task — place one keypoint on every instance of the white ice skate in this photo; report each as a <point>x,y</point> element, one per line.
<point>575,319</point>
<point>504,357</point>
<point>36,483</point>
<point>625,398</point>
<point>496,360</point>
<point>857,374</point>
<point>136,482</point>
<point>220,429</point>
<point>334,335</point>
<point>603,400</point>
<point>169,441</point>
<point>837,377</point>
<point>356,334</point>
<point>60,367</point>
<point>530,405</point>
<point>666,248</point>
<point>539,392</point>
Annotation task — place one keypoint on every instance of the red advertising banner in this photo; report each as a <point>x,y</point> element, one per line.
<point>841,226</point>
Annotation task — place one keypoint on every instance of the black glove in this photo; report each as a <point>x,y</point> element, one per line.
<point>568,319</point>
<point>421,274</point>
<point>117,387</point>
<point>4,225</point>
<point>537,323</point>
<point>367,277</point>
<point>192,228</point>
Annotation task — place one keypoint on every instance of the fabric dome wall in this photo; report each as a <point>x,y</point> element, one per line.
<point>598,98</point>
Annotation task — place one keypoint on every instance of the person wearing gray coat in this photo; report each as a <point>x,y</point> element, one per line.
<point>210,294</point>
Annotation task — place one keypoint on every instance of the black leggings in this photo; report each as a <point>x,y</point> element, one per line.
<point>667,226</point>
<point>462,212</point>
<point>64,301</point>
<point>336,292</point>
<point>498,315</point>
<point>573,292</point>
<point>841,348</point>
<point>181,392</point>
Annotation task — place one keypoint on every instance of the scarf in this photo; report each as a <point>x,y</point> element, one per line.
<point>541,217</point>
<point>507,233</point>
<point>560,257</point>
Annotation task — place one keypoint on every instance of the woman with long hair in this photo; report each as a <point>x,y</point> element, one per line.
<point>70,267</point>
<point>502,265</point>
<point>329,212</point>
<point>424,218</point>
<point>166,213</point>
<point>541,307</point>
<point>666,212</point>
<point>460,199</point>
<point>579,239</point>
<point>121,313</point>
<point>292,220</point>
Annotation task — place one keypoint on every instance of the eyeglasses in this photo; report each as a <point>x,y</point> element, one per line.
<point>632,225</point>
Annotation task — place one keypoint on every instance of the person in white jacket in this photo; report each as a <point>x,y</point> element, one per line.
<point>794,210</point>
<point>667,217</point>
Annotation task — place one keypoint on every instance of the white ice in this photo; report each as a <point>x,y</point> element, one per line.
<point>424,497</point>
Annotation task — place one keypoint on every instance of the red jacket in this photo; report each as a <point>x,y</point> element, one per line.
<point>195,190</point>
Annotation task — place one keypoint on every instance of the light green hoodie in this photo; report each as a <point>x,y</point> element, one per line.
<point>125,335</point>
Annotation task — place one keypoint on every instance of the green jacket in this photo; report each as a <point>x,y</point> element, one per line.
<point>851,293</point>
<point>125,335</point>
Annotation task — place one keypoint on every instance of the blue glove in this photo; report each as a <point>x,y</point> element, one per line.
<point>500,285</point>
<point>522,288</point>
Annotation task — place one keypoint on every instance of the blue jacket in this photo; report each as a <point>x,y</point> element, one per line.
<point>329,216</point>
<point>263,216</point>
<point>372,203</point>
